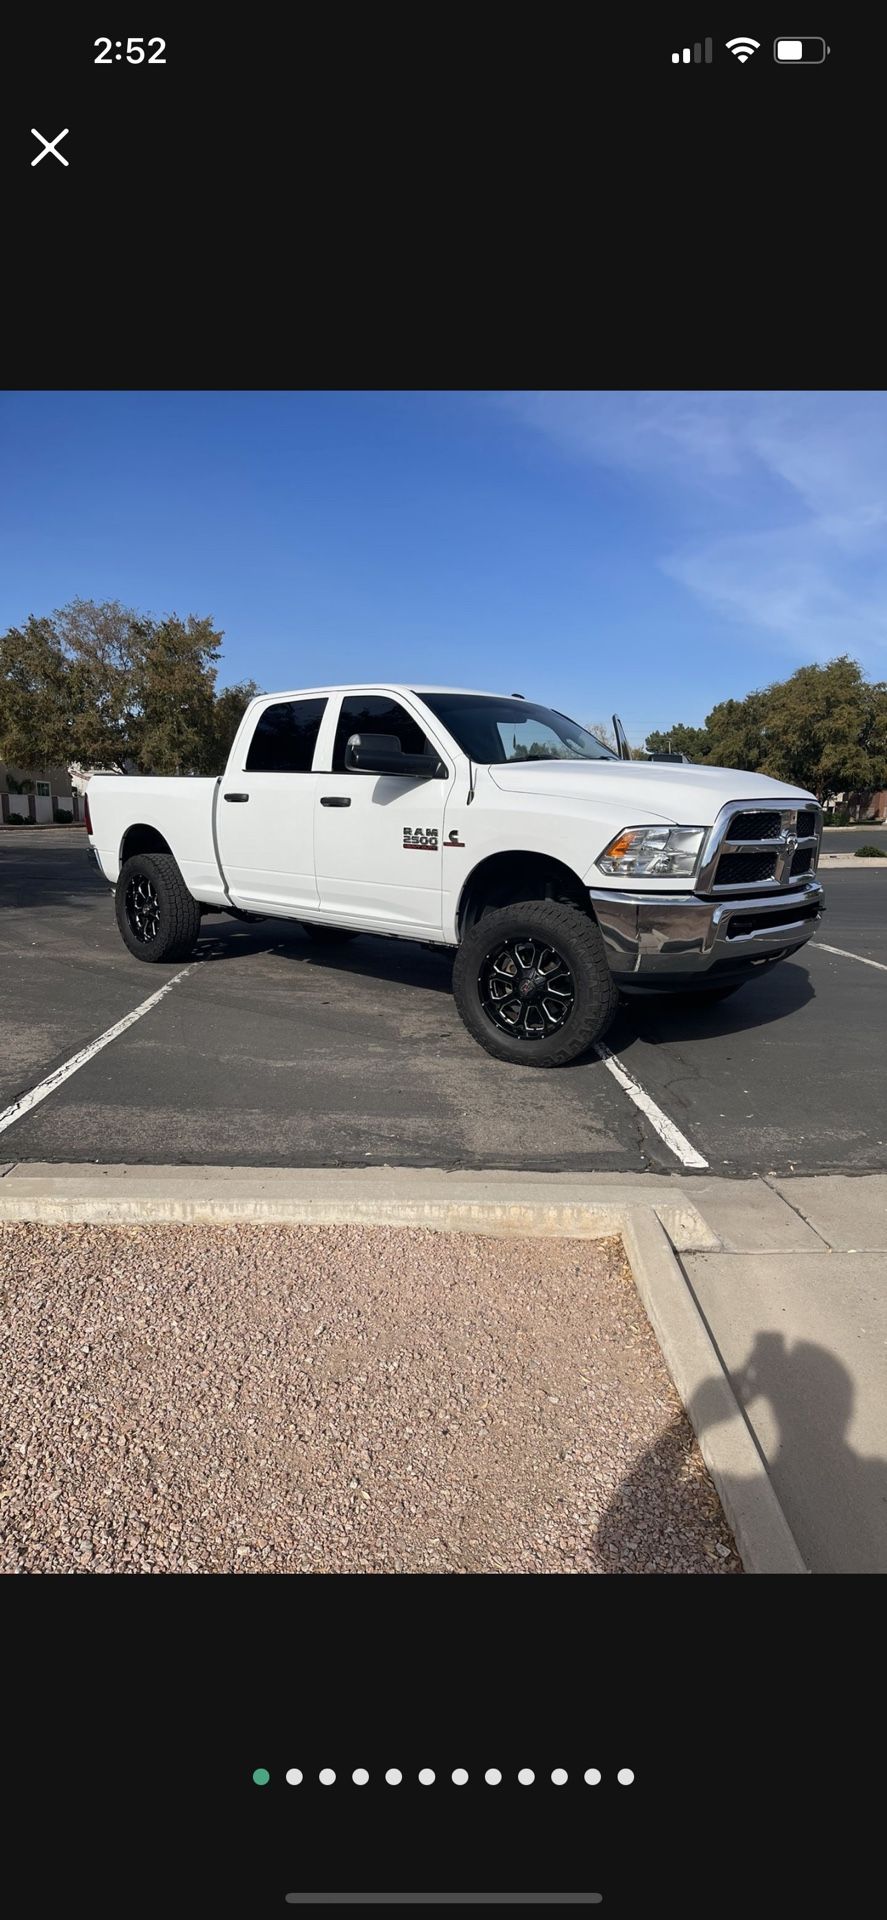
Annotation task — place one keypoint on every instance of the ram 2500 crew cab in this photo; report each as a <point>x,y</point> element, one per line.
<point>560,873</point>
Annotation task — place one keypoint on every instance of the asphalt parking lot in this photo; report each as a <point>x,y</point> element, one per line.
<point>847,839</point>
<point>271,1050</point>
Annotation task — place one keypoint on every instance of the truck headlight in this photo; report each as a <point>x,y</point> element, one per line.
<point>656,852</point>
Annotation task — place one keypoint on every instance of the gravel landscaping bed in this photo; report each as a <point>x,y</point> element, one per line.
<point>306,1399</point>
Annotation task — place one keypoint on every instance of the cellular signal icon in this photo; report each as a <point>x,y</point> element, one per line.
<point>684,58</point>
<point>742,47</point>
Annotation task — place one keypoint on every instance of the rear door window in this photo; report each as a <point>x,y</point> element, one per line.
<point>285,737</point>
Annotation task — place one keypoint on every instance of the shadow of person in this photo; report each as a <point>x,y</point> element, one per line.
<point>665,1516</point>
<point>798,1401</point>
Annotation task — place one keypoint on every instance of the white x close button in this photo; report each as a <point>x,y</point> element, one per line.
<point>49,146</point>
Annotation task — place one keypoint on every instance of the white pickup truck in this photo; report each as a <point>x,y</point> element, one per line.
<point>562,873</point>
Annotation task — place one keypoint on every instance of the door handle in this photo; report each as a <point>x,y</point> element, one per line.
<point>235,796</point>
<point>334,800</point>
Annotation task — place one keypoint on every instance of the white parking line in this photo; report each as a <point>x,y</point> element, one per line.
<point>675,1140</point>
<point>844,955</point>
<point>53,1080</point>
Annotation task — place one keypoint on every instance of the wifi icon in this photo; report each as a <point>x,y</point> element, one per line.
<point>742,47</point>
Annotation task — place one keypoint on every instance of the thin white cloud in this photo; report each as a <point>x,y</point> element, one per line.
<point>795,486</point>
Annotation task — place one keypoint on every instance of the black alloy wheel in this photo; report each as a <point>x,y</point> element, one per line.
<point>142,907</point>
<point>532,984</point>
<point>158,916</point>
<point>526,988</point>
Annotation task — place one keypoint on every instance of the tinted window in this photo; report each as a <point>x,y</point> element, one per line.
<point>376,713</point>
<point>285,738</point>
<point>492,730</point>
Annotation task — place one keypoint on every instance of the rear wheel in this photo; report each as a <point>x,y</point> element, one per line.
<point>157,916</point>
<point>532,984</point>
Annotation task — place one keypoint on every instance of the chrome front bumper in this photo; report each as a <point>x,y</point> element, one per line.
<point>667,939</point>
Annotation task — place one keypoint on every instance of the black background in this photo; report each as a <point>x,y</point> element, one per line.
<point>138,1710</point>
<point>318,98</point>
<point>387,198</point>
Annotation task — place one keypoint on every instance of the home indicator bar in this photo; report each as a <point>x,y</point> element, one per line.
<point>444,1899</point>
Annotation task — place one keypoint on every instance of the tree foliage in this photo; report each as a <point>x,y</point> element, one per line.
<point>34,710</point>
<point>99,684</point>
<point>230,707</point>
<point>825,728</point>
<point>688,740</point>
<point>176,671</point>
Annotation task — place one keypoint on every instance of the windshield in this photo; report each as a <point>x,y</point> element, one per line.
<point>493,730</point>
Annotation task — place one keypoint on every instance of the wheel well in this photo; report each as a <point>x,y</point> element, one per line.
<point>505,877</point>
<point>142,839</point>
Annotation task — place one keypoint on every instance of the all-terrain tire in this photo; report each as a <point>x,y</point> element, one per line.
<point>157,916</point>
<point>331,935</point>
<point>546,927</point>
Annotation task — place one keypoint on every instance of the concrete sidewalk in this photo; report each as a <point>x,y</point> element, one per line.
<point>796,1303</point>
<point>831,861</point>
<point>768,1296</point>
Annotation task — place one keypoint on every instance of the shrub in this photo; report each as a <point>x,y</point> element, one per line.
<point>18,820</point>
<point>62,817</point>
<point>840,818</point>
<point>870,853</point>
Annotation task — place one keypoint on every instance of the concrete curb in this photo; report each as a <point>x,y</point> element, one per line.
<point>747,1495</point>
<point>651,1217</point>
<point>829,862</point>
<point>559,1204</point>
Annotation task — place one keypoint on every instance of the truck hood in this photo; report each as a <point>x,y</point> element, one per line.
<point>688,796</point>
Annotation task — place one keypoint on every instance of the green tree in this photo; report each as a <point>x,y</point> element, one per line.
<point>100,639</point>
<point>99,683</point>
<point>826,728</point>
<point>736,733</point>
<point>175,672</point>
<point>35,700</point>
<point>693,741</point>
<point>230,706</point>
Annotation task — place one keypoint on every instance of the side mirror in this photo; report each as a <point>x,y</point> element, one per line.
<point>382,753</point>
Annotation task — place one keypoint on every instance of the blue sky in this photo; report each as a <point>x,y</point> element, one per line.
<point>648,552</point>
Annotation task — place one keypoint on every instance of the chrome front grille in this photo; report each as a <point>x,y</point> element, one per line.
<point>760,849</point>
<point>756,826</point>
<point>744,869</point>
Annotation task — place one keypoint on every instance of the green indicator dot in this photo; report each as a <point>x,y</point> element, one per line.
<point>261,1776</point>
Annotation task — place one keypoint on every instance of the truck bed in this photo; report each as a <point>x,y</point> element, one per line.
<point>182,810</point>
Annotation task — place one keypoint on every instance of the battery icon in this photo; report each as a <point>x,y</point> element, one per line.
<point>807,52</point>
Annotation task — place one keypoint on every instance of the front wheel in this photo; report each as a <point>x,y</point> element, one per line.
<point>157,916</point>
<point>532,984</point>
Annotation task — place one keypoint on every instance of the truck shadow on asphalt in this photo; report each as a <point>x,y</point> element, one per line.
<point>664,1017</point>
<point>835,1499</point>
<point>654,1018</point>
<point>369,957</point>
